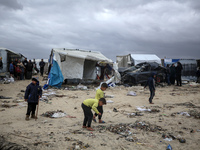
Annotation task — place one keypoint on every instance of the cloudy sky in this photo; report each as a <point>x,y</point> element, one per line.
<point>167,28</point>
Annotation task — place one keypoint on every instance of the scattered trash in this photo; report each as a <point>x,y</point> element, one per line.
<point>3,97</point>
<point>115,110</point>
<point>131,93</point>
<point>109,96</point>
<point>131,115</point>
<point>169,147</point>
<point>81,87</point>
<point>182,140</point>
<point>18,101</point>
<point>168,139</point>
<point>109,101</point>
<point>54,114</point>
<point>8,105</point>
<point>143,109</point>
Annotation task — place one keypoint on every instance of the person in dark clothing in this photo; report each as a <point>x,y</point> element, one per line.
<point>35,66</point>
<point>168,74</point>
<point>172,74</point>
<point>179,69</point>
<point>25,63</point>
<point>198,75</point>
<point>42,64</point>
<point>87,105</point>
<point>15,65</point>
<point>11,69</point>
<point>32,95</point>
<point>29,70</point>
<point>151,83</point>
<point>1,63</point>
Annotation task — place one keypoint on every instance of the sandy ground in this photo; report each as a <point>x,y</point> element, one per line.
<point>67,133</point>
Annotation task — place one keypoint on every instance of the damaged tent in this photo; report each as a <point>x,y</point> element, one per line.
<point>134,59</point>
<point>8,56</point>
<point>73,64</point>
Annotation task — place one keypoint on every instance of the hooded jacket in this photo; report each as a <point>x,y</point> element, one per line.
<point>33,92</point>
<point>151,82</point>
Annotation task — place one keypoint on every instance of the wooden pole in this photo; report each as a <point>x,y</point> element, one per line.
<point>37,109</point>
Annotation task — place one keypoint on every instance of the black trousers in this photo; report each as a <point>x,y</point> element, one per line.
<point>178,80</point>
<point>31,109</point>
<point>100,109</point>
<point>152,94</point>
<point>41,70</point>
<point>88,115</point>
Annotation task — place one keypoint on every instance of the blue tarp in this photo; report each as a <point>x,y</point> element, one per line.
<point>56,77</point>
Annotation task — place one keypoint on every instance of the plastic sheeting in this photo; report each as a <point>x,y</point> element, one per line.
<point>56,77</point>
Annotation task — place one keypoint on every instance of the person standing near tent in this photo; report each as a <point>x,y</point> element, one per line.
<point>22,68</point>
<point>11,69</point>
<point>1,63</point>
<point>151,83</point>
<point>99,95</point>
<point>179,69</point>
<point>42,64</point>
<point>172,74</point>
<point>29,70</point>
<point>87,105</point>
<point>168,74</point>
<point>32,95</point>
<point>25,63</point>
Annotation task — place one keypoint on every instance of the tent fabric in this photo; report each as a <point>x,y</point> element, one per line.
<point>78,64</point>
<point>56,77</point>
<point>139,58</point>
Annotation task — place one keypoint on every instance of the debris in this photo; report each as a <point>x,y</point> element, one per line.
<point>168,139</point>
<point>131,115</point>
<point>109,101</point>
<point>60,95</point>
<point>169,147</point>
<point>115,110</point>
<point>7,105</point>
<point>187,104</point>
<point>5,145</point>
<point>109,96</point>
<point>54,114</point>
<point>81,87</point>
<point>3,97</point>
<point>131,93</point>
<point>182,140</point>
<point>143,109</point>
<point>18,101</point>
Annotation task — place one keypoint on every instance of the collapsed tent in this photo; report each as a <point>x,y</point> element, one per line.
<point>74,64</point>
<point>134,59</point>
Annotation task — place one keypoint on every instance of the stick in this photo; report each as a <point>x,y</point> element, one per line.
<point>20,136</point>
<point>37,110</point>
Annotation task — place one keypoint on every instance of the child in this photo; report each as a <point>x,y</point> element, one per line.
<point>151,83</point>
<point>100,94</point>
<point>87,105</point>
<point>32,95</point>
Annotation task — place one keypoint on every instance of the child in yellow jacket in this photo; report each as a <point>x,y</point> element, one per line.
<point>87,105</point>
<point>100,94</point>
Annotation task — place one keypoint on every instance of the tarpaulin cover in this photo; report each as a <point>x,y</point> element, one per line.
<point>56,77</point>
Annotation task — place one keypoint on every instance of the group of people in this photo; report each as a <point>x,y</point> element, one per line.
<point>23,70</point>
<point>34,92</point>
<point>174,73</point>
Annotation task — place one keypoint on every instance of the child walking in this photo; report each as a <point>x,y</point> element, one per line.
<point>100,94</point>
<point>32,95</point>
<point>151,83</point>
<point>87,105</point>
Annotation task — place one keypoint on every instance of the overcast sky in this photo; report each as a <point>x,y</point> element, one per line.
<point>168,28</point>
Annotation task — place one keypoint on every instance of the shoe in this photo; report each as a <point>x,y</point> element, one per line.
<point>90,129</point>
<point>33,116</point>
<point>84,127</point>
<point>27,118</point>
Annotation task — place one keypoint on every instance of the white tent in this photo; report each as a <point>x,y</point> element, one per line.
<point>77,64</point>
<point>134,59</point>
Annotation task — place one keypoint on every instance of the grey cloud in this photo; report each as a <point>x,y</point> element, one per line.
<point>166,28</point>
<point>12,4</point>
